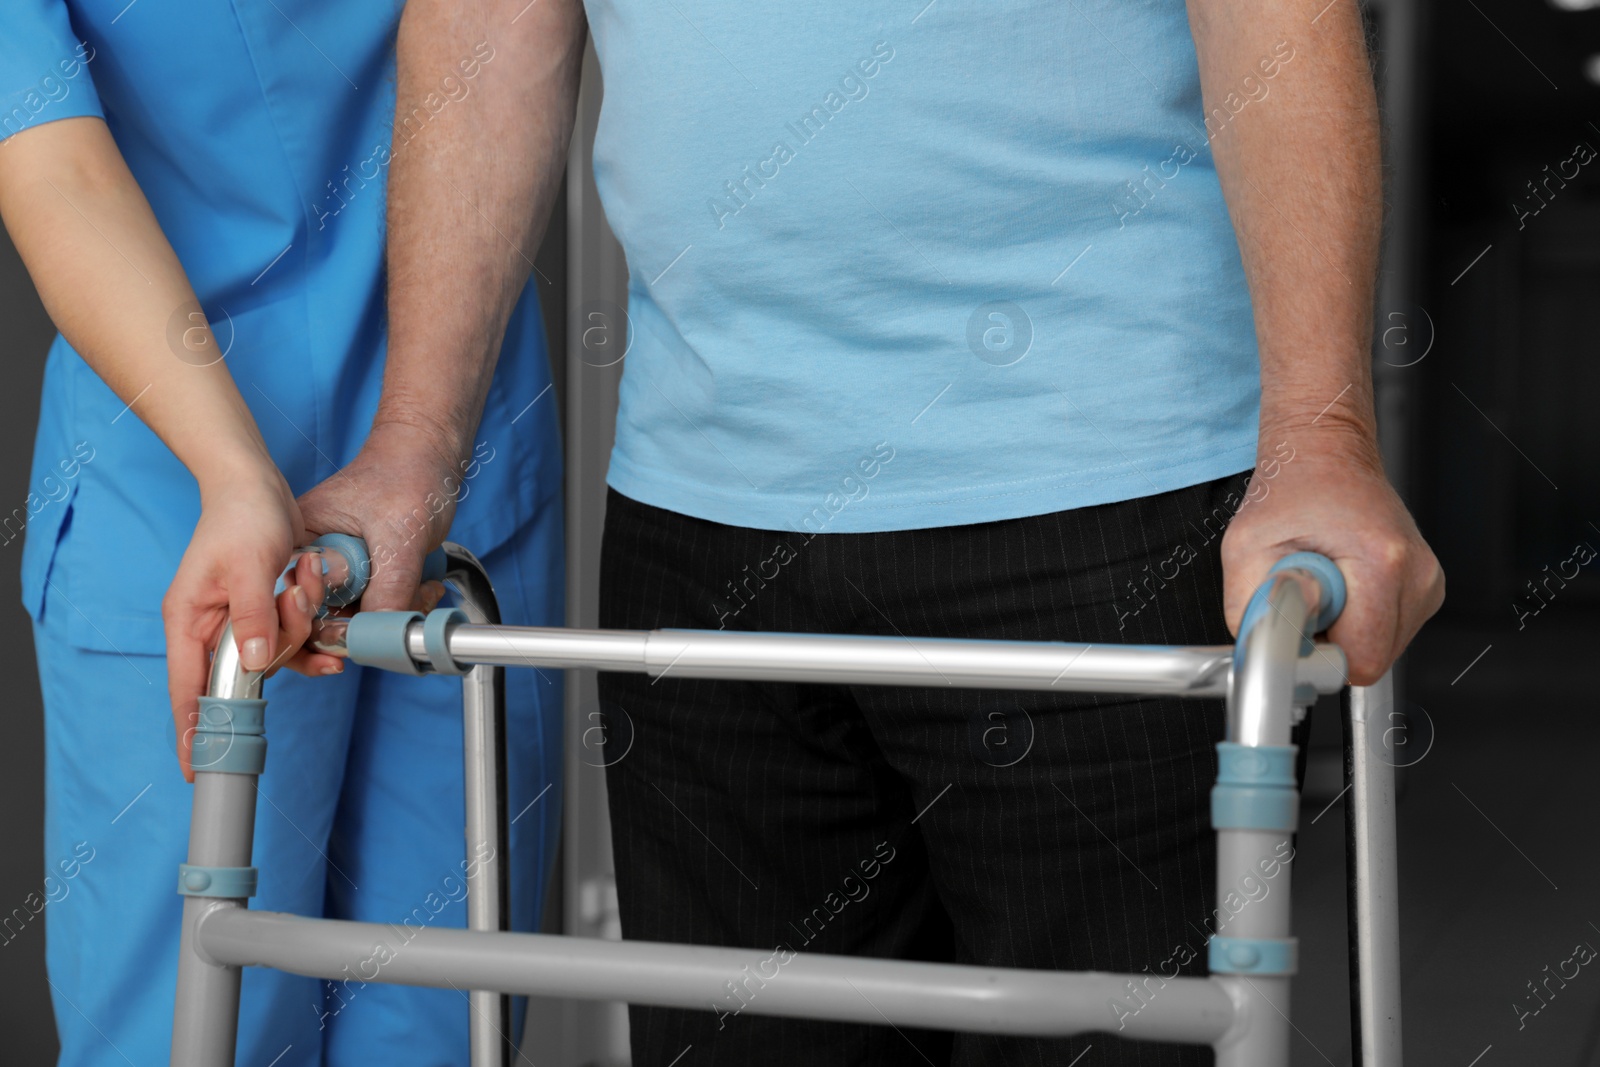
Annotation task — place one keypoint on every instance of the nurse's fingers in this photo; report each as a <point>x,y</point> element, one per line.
<point>308,576</point>
<point>299,621</point>
<point>188,664</point>
<point>428,596</point>
<point>295,616</point>
<point>254,615</point>
<point>314,664</point>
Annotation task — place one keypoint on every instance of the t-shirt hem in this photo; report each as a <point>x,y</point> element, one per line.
<point>926,510</point>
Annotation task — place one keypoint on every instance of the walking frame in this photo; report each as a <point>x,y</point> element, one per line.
<point>1242,1010</point>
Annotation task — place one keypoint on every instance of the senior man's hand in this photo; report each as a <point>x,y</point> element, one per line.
<point>1332,497</point>
<point>399,495</point>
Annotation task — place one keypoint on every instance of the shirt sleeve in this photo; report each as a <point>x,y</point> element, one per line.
<point>44,67</point>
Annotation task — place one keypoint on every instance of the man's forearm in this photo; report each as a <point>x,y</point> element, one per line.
<point>470,193</point>
<point>1300,168</point>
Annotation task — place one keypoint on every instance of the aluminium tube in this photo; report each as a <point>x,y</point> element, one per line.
<point>1264,690</point>
<point>1259,715</point>
<point>724,980</point>
<point>1373,877</point>
<point>205,1019</point>
<point>1038,665</point>
<point>483,743</point>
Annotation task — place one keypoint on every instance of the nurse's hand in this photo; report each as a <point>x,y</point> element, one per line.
<point>249,525</point>
<point>399,495</point>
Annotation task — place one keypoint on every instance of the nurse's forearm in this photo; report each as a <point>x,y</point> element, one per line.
<point>469,198</point>
<point>116,291</point>
<point>1292,120</point>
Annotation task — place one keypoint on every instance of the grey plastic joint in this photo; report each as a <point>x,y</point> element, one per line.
<point>436,639</point>
<point>378,639</point>
<point>229,883</point>
<point>228,738</point>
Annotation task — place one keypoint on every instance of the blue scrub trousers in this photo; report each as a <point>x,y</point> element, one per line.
<point>361,816</point>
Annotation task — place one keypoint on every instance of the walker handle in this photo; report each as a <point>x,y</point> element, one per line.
<point>1314,565</point>
<point>358,567</point>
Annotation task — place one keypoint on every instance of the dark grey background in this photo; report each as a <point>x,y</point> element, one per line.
<point>25,1020</point>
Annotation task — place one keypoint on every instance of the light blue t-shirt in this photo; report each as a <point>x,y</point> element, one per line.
<point>902,265</point>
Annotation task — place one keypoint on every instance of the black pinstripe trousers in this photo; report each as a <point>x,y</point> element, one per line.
<point>1010,829</point>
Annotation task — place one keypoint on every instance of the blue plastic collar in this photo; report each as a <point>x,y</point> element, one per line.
<point>378,639</point>
<point>1329,605</point>
<point>232,715</point>
<point>229,753</point>
<point>354,550</point>
<point>1256,764</point>
<point>231,883</point>
<point>435,638</point>
<point>1255,788</point>
<point>1270,956</point>
<point>228,738</point>
<point>435,565</point>
<point>1242,807</point>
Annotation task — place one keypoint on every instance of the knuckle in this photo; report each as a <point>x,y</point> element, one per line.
<point>1393,552</point>
<point>252,615</point>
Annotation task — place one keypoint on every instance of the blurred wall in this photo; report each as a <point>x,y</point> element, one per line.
<point>27,1029</point>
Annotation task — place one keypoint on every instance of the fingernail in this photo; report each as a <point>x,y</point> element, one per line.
<point>301,601</point>
<point>254,654</point>
<point>337,668</point>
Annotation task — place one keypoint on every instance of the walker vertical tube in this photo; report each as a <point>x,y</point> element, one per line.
<point>1373,894</point>
<point>206,1016</point>
<point>1255,807</point>
<point>483,699</point>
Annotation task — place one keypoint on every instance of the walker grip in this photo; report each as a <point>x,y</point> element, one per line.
<point>358,567</point>
<point>1330,585</point>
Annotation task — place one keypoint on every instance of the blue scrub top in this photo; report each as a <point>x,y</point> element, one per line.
<point>261,134</point>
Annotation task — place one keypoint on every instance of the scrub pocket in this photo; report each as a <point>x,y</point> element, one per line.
<point>43,536</point>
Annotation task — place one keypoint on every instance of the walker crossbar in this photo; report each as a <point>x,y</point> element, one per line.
<point>846,988</point>
<point>1147,670</point>
<point>1242,1010</point>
